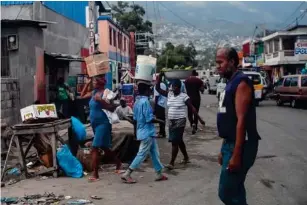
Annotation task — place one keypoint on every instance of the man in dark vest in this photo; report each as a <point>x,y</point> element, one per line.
<point>236,123</point>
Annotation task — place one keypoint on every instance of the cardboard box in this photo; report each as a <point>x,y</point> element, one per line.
<point>97,64</point>
<point>42,111</point>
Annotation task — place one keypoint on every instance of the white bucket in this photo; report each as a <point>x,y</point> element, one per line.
<point>145,68</point>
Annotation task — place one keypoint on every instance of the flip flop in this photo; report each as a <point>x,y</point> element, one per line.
<point>128,180</point>
<point>93,179</point>
<point>162,178</point>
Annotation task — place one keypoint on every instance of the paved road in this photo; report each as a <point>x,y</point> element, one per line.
<point>277,178</point>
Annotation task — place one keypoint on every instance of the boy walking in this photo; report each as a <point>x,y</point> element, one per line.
<point>146,133</point>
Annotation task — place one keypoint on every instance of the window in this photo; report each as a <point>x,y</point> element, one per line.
<point>125,44</point>
<point>256,78</point>
<point>114,38</point>
<point>287,82</point>
<point>280,82</point>
<point>119,41</point>
<point>5,61</point>
<point>110,36</point>
<point>294,81</point>
<point>304,81</point>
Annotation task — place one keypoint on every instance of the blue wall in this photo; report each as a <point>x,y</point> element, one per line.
<point>73,10</point>
<point>120,58</point>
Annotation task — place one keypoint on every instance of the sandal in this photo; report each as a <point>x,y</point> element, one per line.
<point>161,178</point>
<point>93,179</point>
<point>128,180</point>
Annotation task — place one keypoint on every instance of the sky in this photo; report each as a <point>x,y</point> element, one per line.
<point>277,14</point>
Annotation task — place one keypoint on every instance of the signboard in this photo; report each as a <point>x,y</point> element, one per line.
<point>301,48</point>
<point>92,38</point>
<point>249,59</point>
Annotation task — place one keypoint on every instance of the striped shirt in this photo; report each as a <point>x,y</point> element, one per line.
<point>176,105</point>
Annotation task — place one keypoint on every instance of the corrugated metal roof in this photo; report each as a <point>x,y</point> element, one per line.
<point>11,3</point>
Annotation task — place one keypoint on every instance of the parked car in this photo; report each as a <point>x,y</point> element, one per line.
<point>212,84</point>
<point>220,87</point>
<point>258,82</point>
<point>291,89</point>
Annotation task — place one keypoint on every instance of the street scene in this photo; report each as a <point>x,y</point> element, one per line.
<point>122,102</point>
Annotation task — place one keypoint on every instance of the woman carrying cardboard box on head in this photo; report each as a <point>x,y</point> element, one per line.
<point>100,123</point>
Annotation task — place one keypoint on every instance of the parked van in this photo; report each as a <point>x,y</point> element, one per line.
<point>212,84</point>
<point>291,89</point>
<point>220,87</point>
<point>258,82</point>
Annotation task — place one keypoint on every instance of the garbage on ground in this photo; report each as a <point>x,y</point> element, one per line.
<point>96,197</point>
<point>68,163</point>
<point>14,171</point>
<point>12,181</point>
<point>44,178</point>
<point>68,197</point>
<point>79,201</point>
<point>47,198</point>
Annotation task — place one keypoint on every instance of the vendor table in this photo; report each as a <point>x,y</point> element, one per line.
<point>28,132</point>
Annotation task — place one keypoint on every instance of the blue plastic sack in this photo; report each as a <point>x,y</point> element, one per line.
<point>68,163</point>
<point>78,128</point>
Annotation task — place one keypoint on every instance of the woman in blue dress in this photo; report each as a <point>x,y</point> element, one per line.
<point>100,124</point>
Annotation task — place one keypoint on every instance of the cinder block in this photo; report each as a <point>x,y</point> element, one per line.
<point>9,103</point>
<point>3,87</point>
<point>3,105</point>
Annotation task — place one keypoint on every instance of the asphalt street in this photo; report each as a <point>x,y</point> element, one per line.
<point>277,178</point>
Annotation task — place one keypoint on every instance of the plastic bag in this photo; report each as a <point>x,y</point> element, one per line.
<point>78,128</point>
<point>112,116</point>
<point>68,163</point>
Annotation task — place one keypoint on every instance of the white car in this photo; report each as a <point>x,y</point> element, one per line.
<point>220,87</point>
<point>212,85</point>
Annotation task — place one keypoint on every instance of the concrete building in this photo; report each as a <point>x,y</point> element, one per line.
<point>115,42</point>
<point>41,41</point>
<point>286,51</point>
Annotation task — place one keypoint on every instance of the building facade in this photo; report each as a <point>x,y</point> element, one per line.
<point>116,43</point>
<point>286,51</point>
<point>41,41</point>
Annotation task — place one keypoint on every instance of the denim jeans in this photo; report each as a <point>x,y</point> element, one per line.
<point>231,186</point>
<point>148,146</point>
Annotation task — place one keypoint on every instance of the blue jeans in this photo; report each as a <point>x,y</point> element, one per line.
<point>231,186</point>
<point>148,146</point>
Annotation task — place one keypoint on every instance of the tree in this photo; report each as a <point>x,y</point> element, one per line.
<point>131,15</point>
<point>182,56</point>
<point>131,18</point>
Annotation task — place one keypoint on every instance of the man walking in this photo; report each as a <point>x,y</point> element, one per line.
<point>236,122</point>
<point>160,105</point>
<point>194,86</point>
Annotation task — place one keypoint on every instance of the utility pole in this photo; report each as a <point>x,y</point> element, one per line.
<point>166,64</point>
<point>92,26</point>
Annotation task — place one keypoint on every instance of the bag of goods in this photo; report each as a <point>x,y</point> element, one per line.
<point>145,68</point>
<point>97,64</point>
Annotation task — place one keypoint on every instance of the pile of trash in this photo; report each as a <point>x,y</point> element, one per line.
<point>45,199</point>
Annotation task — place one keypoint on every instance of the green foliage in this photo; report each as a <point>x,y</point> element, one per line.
<point>177,57</point>
<point>131,15</point>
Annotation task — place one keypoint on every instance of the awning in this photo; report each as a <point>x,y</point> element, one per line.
<point>5,23</point>
<point>65,57</point>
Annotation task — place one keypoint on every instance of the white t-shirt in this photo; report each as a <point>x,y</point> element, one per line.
<point>176,105</point>
<point>123,112</point>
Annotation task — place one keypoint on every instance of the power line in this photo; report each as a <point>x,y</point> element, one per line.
<point>296,20</point>
<point>296,10</point>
